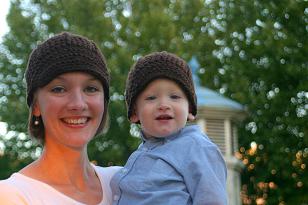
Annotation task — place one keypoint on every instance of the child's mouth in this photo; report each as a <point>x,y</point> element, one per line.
<point>164,117</point>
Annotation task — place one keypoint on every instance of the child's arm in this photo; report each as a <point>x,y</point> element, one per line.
<point>205,176</point>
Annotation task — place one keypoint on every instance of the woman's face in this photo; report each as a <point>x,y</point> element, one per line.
<point>71,107</point>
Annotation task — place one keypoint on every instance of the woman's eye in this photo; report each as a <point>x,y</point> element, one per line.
<point>58,89</point>
<point>150,98</point>
<point>91,89</point>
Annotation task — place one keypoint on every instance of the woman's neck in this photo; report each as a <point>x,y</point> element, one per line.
<point>61,165</point>
<point>68,171</point>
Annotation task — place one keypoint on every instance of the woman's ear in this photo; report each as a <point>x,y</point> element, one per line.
<point>35,109</point>
<point>191,117</point>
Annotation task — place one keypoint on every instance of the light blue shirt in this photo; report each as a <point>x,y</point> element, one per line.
<point>185,168</point>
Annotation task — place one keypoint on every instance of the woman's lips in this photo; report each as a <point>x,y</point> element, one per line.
<point>75,121</point>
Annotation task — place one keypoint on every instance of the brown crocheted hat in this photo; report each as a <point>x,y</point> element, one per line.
<point>159,65</point>
<point>64,53</point>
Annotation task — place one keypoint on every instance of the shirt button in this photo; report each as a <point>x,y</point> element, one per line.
<point>116,197</point>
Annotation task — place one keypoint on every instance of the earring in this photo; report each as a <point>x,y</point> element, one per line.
<point>36,121</point>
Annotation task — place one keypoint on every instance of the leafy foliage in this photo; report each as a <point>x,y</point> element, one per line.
<point>251,51</point>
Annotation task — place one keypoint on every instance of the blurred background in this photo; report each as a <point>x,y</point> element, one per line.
<point>251,51</point>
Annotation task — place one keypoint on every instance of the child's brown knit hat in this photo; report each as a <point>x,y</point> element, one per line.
<point>159,65</point>
<point>64,53</point>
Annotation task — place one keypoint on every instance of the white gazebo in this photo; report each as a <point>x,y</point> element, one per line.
<point>218,117</point>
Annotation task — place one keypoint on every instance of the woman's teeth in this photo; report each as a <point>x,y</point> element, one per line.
<point>76,121</point>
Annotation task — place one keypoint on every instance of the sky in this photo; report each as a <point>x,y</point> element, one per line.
<point>3,12</point>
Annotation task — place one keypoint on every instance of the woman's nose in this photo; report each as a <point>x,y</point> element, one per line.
<point>77,101</point>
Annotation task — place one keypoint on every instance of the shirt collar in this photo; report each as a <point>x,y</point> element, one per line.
<point>155,140</point>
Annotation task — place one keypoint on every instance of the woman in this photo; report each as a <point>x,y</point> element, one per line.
<point>67,93</point>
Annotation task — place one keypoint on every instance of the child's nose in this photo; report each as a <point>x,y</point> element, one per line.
<point>163,104</point>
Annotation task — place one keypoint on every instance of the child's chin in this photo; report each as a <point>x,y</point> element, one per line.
<point>166,134</point>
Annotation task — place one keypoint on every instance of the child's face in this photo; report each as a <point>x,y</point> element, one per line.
<point>162,109</point>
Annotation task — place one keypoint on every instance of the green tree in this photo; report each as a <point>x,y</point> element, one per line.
<point>263,65</point>
<point>33,22</point>
<point>250,51</point>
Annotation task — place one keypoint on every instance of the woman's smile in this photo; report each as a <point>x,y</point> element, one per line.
<point>75,121</point>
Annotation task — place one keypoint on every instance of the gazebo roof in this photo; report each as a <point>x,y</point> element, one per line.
<point>210,98</point>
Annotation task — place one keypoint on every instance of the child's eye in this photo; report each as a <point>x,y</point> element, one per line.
<point>175,97</point>
<point>150,97</point>
<point>58,89</point>
<point>91,89</point>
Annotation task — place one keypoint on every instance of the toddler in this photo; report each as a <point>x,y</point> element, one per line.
<point>176,164</point>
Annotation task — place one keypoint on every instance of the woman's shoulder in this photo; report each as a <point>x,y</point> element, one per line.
<point>105,174</point>
<point>10,183</point>
<point>107,171</point>
<point>11,190</point>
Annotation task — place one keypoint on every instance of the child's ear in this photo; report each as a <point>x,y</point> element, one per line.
<point>134,118</point>
<point>191,117</point>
